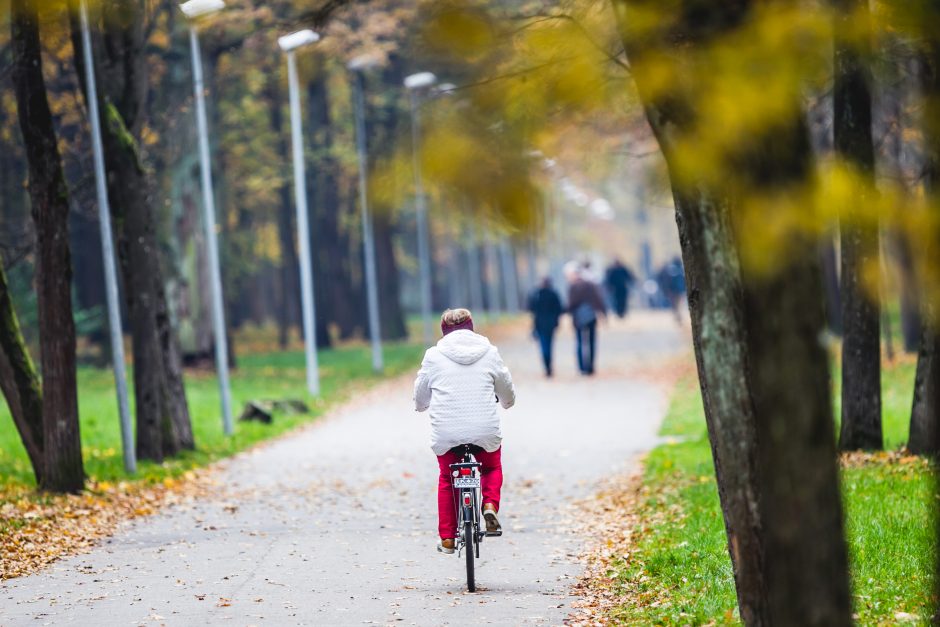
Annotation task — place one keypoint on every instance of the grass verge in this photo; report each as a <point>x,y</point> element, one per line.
<point>258,376</point>
<point>678,571</point>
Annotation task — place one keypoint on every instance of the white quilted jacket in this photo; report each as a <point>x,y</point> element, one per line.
<point>460,380</point>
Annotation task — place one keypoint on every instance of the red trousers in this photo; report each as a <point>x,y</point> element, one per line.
<point>492,469</point>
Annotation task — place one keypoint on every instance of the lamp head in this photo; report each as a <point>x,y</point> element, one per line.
<point>420,80</point>
<point>445,89</point>
<point>194,9</point>
<point>362,62</point>
<point>298,39</point>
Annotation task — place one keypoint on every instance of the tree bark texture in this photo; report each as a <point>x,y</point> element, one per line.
<point>161,410</point>
<point>807,564</point>
<point>852,135</point>
<point>719,338</point>
<point>772,352</point>
<point>62,452</point>
<point>19,382</point>
<point>800,502</point>
<point>922,439</point>
<point>924,435</point>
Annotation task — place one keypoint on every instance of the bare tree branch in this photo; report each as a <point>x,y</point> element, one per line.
<point>319,16</point>
<point>535,19</point>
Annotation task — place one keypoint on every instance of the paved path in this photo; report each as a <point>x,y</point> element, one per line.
<point>336,524</point>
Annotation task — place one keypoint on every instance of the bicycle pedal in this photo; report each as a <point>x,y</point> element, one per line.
<point>493,534</point>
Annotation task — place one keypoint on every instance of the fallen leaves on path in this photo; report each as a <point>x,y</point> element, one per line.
<point>38,528</point>
<point>610,522</point>
<point>614,520</point>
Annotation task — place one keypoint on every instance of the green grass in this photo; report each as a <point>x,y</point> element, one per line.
<point>680,573</point>
<point>258,376</point>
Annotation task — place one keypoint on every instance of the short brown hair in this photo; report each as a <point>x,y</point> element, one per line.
<point>453,317</point>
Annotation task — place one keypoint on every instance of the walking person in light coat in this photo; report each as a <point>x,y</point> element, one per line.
<point>461,380</point>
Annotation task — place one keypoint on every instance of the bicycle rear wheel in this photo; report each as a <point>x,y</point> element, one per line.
<point>469,550</point>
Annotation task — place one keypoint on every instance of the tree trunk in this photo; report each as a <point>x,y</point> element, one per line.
<point>830,270</point>
<point>922,439</point>
<point>180,428</point>
<point>391,318</point>
<point>383,123</point>
<point>800,504</point>
<point>162,413</point>
<point>861,345</point>
<point>911,323</point>
<point>137,251</point>
<point>719,339</point>
<point>757,343</point>
<point>19,381</point>
<point>88,271</point>
<point>333,286</point>
<point>896,96</point>
<point>290,283</point>
<point>924,435</point>
<point>62,451</point>
<point>288,270</point>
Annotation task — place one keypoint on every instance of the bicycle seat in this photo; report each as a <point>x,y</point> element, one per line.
<point>466,448</point>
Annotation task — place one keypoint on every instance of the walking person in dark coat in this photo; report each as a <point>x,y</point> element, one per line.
<point>671,281</point>
<point>619,280</point>
<point>545,305</point>
<point>585,304</point>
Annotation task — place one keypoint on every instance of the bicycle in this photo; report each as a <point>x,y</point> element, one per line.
<point>467,486</point>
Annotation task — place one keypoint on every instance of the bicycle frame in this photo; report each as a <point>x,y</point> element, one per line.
<point>468,498</point>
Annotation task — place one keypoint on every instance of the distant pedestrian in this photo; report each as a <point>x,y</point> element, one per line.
<point>619,280</point>
<point>545,305</point>
<point>585,304</point>
<point>671,281</point>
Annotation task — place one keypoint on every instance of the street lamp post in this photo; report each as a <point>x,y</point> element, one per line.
<point>289,44</point>
<point>357,66</point>
<point>415,83</point>
<point>195,9</point>
<point>107,251</point>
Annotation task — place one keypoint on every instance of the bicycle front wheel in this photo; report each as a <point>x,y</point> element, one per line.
<point>468,549</point>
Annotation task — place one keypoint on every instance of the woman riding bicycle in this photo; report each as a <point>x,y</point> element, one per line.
<point>460,380</point>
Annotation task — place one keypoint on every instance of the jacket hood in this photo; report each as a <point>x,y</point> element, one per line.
<point>464,346</point>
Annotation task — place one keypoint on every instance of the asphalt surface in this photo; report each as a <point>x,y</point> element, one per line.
<point>336,524</point>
